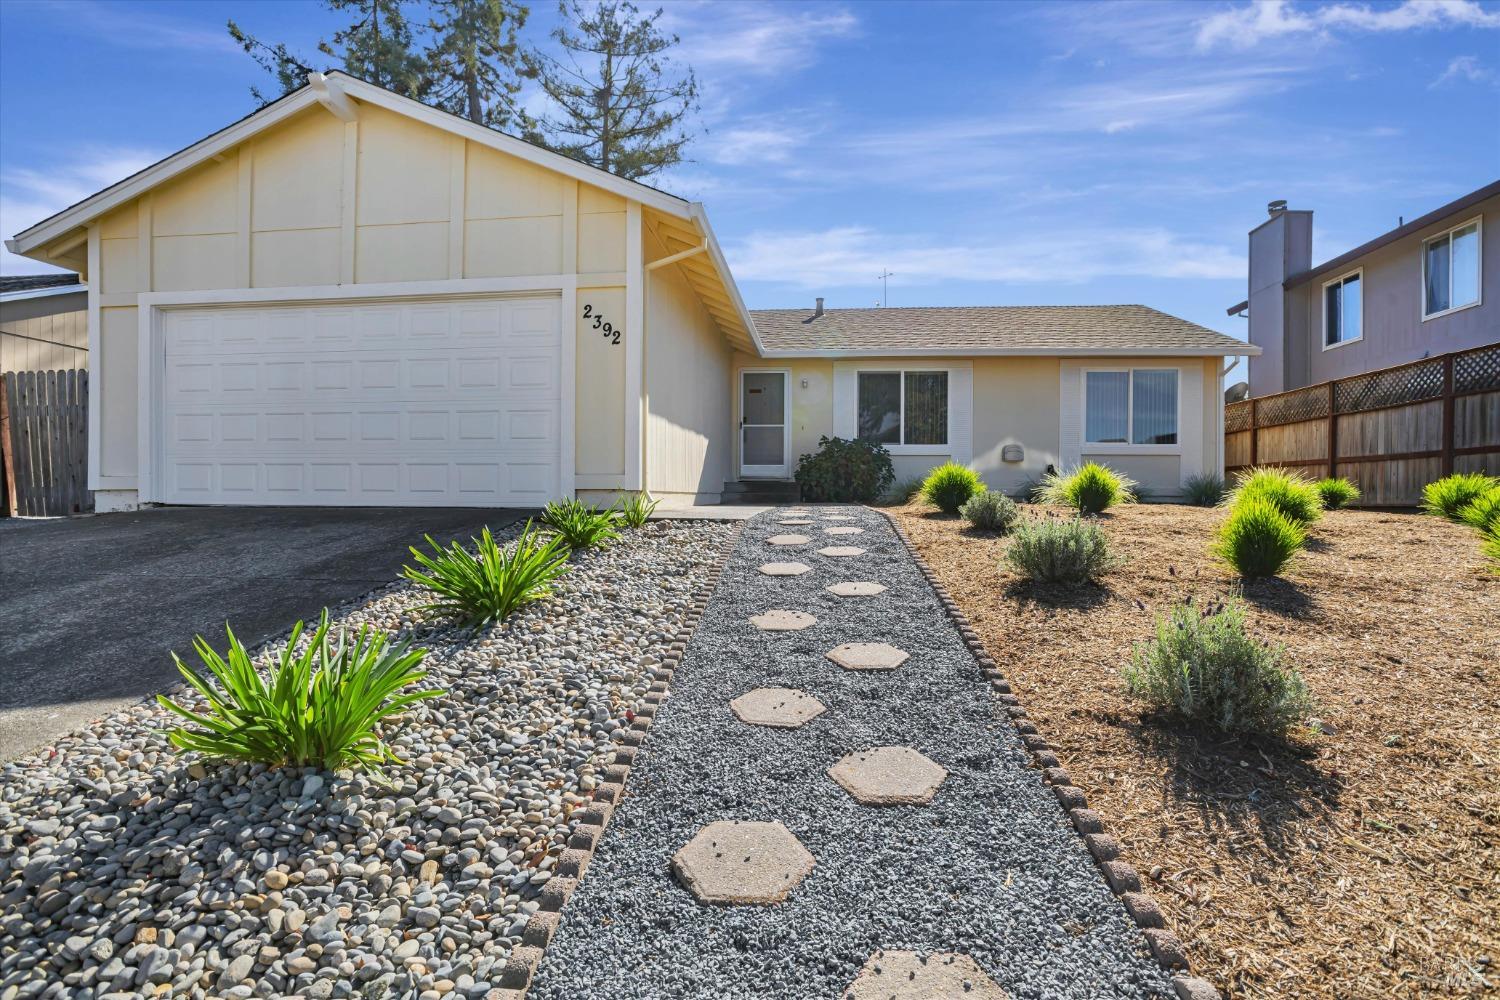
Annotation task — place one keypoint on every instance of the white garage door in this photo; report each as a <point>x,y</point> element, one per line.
<point>428,403</point>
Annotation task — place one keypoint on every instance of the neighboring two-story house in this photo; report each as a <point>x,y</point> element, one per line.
<point>1428,287</point>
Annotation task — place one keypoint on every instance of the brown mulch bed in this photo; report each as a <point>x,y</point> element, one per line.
<point>1358,859</point>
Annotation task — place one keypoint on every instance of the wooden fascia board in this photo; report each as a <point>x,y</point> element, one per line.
<point>1245,350</point>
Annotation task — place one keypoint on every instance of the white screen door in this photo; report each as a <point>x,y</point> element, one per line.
<point>763,424</point>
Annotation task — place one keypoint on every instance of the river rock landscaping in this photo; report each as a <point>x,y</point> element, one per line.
<point>127,869</point>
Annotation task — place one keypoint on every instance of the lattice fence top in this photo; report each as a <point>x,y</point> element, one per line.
<point>1476,371</point>
<point>1237,416</point>
<point>1290,407</point>
<point>1391,387</point>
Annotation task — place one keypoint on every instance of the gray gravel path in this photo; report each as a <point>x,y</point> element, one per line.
<point>989,868</point>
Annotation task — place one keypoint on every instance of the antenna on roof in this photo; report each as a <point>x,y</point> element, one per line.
<point>884,274</point>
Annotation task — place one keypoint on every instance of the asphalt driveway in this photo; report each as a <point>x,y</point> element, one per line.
<point>90,607</point>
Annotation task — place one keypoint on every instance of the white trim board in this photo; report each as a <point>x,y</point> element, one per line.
<point>1071,398</point>
<point>960,446</point>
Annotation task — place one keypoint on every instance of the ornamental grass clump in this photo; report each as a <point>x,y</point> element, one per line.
<point>1336,493</point>
<point>580,525</point>
<point>1203,666</point>
<point>1490,546</point>
<point>949,486</point>
<point>318,705</point>
<point>1204,490</point>
<point>1296,498</point>
<point>487,586</point>
<point>990,511</point>
<point>1451,494</point>
<point>1089,489</point>
<point>635,509</point>
<point>1483,512</point>
<point>1054,550</point>
<point>1258,540</point>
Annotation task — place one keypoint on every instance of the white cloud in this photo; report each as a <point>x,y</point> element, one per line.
<point>851,255</point>
<point>724,39</point>
<point>1262,20</point>
<point>30,194</point>
<point>753,142</point>
<point>1465,68</point>
<point>136,28</point>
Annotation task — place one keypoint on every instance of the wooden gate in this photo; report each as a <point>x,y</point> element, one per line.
<point>1391,432</point>
<point>44,420</point>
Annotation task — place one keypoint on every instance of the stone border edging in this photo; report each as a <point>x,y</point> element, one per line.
<point>1122,879</point>
<point>516,975</point>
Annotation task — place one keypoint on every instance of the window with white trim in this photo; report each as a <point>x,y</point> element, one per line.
<point>1343,309</point>
<point>903,407</point>
<point>1450,270</point>
<point>1130,406</point>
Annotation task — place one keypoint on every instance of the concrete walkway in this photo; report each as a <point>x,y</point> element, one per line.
<point>91,607</point>
<point>831,804</point>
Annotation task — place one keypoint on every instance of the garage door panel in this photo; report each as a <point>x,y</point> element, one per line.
<point>381,403</point>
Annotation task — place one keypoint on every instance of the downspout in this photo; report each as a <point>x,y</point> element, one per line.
<point>645,369</point>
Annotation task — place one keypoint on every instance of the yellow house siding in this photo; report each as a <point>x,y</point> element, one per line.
<point>600,366</point>
<point>317,202</point>
<point>115,370</point>
<point>688,369</point>
<point>1015,402</point>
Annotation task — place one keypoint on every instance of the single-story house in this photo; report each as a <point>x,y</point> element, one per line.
<point>43,323</point>
<point>349,298</point>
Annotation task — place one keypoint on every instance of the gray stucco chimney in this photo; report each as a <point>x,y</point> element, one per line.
<point>818,309</point>
<point>1280,249</point>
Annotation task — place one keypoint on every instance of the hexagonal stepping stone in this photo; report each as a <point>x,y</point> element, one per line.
<point>844,530</point>
<point>795,520</point>
<point>788,540</point>
<point>742,863</point>
<point>841,551</point>
<point>779,620</point>
<point>906,975</point>
<point>780,708</point>
<point>785,569</point>
<point>889,776</point>
<point>856,588</point>
<point>796,512</point>
<point>838,517</point>
<point>867,656</point>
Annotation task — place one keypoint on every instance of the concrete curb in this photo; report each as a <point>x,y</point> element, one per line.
<point>1122,879</point>
<point>515,978</point>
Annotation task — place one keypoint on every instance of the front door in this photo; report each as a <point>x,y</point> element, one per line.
<point>763,424</point>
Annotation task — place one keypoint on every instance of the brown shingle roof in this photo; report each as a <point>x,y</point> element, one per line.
<point>990,330</point>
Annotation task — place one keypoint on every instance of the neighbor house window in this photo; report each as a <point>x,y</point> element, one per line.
<point>904,407</point>
<point>1343,310</point>
<point>1130,406</point>
<point>1450,270</point>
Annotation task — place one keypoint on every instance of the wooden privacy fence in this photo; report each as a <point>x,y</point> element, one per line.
<point>1390,432</point>
<point>44,420</point>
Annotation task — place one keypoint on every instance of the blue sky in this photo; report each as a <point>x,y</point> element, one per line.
<point>985,154</point>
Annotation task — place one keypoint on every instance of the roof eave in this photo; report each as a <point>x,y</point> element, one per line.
<point>700,216</point>
<point>42,293</point>
<point>1410,229</point>
<point>1223,351</point>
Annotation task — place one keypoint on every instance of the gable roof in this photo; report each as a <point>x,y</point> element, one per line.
<point>999,330</point>
<point>333,90</point>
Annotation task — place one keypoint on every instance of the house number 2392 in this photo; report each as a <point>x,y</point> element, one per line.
<point>606,329</point>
